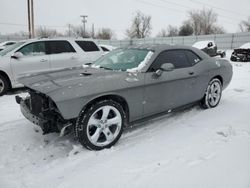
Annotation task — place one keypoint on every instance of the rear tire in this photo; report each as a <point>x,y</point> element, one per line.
<point>213,94</point>
<point>4,85</point>
<point>101,125</point>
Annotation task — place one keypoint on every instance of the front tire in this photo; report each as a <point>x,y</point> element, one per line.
<point>4,85</point>
<point>213,94</point>
<point>101,125</point>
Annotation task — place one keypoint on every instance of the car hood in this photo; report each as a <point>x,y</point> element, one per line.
<point>79,82</point>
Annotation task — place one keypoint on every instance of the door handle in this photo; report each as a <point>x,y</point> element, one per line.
<point>73,57</point>
<point>191,73</point>
<point>43,60</point>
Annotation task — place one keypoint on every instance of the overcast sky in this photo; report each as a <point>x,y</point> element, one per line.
<point>116,14</point>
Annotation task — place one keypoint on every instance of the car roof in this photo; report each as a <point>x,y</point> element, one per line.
<point>158,48</point>
<point>57,38</point>
<point>4,42</point>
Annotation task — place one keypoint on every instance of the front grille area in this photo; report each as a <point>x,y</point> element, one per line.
<point>44,109</point>
<point>38,103</point>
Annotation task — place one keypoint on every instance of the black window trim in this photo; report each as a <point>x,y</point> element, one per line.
<point>98,49</point>
<point>48,47</point>
<point>149,69</point>
<point>105,49</point>
<point>9,43</point>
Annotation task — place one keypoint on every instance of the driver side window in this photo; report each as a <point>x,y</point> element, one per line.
<point>176,57</point>
<point>33,49</point>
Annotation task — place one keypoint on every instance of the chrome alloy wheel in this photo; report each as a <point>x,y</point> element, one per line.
<point>214,93</point>
<point>104,125</point>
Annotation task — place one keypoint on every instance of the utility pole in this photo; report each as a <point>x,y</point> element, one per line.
<point>69,30</point>
<point>32,18</point>
<point>93,31</point>
<point>84,21</point>
<point>29,24</point>
<point>31,27</point>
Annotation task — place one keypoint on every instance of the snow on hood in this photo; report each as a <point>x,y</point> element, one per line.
<point>202,44</point>
<point>142,64</point>
<point>245,46</point>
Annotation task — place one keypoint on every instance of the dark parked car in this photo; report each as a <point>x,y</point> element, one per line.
<point>210,48</point>
<point>120,88</point>
<point>242,53</point>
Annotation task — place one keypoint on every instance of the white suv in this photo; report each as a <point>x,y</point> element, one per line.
<point>39,55</point>
<point>6,44</point>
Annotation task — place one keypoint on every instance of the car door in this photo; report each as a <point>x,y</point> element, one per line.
<point>62,54</point>
<point>200,84</point>
<point>34,59</point>
<point>172,88</point>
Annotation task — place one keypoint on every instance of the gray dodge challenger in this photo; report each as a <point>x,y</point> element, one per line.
<point>97,101</point>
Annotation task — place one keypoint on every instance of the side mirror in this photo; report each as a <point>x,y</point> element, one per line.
<point>17,55</point>
<point>167,67</point>
<point>164,67</point>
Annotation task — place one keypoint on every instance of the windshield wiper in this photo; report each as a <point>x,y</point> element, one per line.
<point>106,68</point>
<point>88,63</point>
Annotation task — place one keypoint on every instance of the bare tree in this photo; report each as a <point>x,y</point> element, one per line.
<point>104,33</point>
<point>172,31</point>
<point>204,22</point>
<point>141,26</point>
<point>163,33</point>
<point>218,30</point>
<point>78,31</point>
<point>208,18</point>
<point>186,29</point>
<point>21,34</point>
<point>194,19</point>
<point>245,25</point>
<point>69,32</point>
<point>45,32</point>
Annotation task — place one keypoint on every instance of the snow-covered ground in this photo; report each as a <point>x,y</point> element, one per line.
<point>194,148</point>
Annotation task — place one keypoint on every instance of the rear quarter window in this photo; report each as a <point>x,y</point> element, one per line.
<point>104,49</point>
<point>57,47</point>
<point>192,57</point>
<point>87,46</point>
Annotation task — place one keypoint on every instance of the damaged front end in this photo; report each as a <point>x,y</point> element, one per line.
<point>42,111</point>
<point>242,55</point>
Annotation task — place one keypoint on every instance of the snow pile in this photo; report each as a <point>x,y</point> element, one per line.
<point>95,66</point>
<point>202,44</point>
<point>245,46</point>
<point>142,64</point>
<point>85,66</point>
<point>193,148</point>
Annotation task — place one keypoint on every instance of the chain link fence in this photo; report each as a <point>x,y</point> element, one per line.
<point>223,41</point>
<point>12,37</point>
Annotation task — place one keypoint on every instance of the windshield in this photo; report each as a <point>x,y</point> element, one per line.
<point>122,59</point>
<point>10,48</point>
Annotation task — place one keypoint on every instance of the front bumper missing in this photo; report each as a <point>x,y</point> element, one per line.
<point>28,114</point>
<point>47,124</point>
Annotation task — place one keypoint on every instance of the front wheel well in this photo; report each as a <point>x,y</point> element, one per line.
<point>115,98</point>
<point>6,76</point>
<point>220,78</point>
